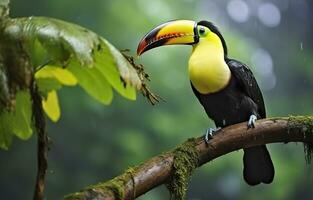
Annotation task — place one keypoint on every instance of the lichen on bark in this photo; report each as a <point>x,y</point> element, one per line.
<point>186,159</point>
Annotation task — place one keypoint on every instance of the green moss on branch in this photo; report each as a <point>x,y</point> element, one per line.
<point>102,190</point>
<point>186,159</point>
<point>306,123</point>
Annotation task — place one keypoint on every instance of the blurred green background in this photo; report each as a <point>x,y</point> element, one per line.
<point>92,142</point>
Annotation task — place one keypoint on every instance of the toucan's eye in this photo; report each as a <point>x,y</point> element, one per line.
<point>202,31</point>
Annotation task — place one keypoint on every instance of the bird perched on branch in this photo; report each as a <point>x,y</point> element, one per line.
<point>225,87</point>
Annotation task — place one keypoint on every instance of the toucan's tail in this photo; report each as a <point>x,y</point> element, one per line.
<point>258,166</point>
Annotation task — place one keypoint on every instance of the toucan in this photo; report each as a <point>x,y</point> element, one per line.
<point>225,87</point>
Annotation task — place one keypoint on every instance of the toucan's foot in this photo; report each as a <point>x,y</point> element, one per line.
<point>209,133</point>
<point>251,122</point>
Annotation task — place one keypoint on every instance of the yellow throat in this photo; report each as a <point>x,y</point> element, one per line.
<point>208,70</point>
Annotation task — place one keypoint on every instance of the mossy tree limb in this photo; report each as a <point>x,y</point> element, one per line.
<point>163,169</point>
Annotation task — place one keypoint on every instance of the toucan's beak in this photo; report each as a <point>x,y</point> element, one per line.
<point>172,32</point>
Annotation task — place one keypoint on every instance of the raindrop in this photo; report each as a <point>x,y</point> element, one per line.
<point>301,46</point>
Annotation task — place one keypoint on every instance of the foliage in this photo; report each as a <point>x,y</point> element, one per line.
<point>17,122</point>
<point>92,142</point>
<point>60,54</point>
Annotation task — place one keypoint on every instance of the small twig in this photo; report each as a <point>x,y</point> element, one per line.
<point>144,77</point>
<point>42,141</point>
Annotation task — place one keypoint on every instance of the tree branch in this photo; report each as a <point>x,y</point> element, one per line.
<point>195,152</point>
<point>42,141</point>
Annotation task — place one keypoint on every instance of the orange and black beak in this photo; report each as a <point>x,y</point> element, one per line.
<point>172,32</point>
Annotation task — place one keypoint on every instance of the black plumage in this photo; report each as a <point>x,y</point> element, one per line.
<point>239,100</point>
<point>236,103</point>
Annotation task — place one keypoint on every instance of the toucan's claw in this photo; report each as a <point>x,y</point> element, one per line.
<point>209,133</point>
<point>251,122</point>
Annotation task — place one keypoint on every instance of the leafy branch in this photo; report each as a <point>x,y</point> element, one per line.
<point>58,54</point>
<point>39,56</point>
<point>175,167</point>
<point>75,56</point>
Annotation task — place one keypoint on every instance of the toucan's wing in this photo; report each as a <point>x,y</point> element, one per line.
<point>248,84</point>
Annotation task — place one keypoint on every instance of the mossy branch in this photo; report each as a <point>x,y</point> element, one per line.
<point>175,167</point>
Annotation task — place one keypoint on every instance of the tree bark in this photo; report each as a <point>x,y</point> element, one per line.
<point>159,169</point>
<point>42,142</point>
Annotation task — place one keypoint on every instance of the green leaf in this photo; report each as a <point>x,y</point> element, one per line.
<point>93,82</point>
<point>64,76</point>
<point>17,122</point>
<point>60,43</point>
<point>38,54</point>
<point>45,85</point>
<point>126,70</point>
<point>106,65</point>
<point>22,115</point>
<point>51,106</point>
<point>49,79</point>
<point>5,130</point>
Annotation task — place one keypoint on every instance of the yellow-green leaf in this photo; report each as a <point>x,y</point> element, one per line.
<point>51,106</point>
<point>64,76</point>
<point>45,85</point>
<point>106,65</point>
<point>93,82</point>
<point>127,72</point>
